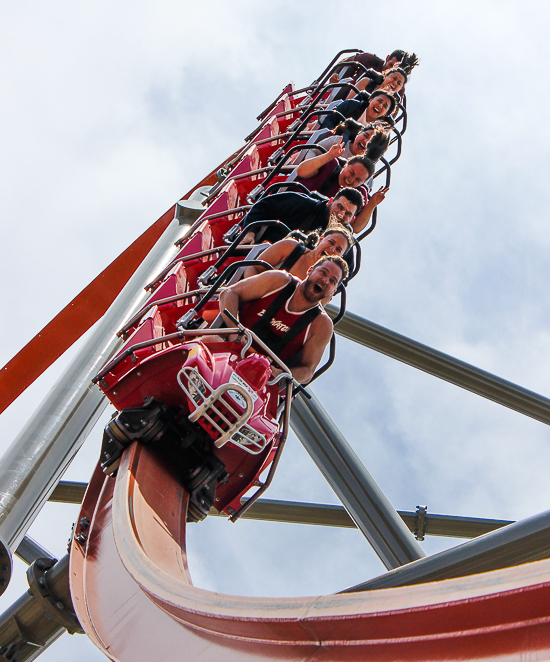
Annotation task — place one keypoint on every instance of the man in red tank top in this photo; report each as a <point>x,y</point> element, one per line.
<point>284,312</point>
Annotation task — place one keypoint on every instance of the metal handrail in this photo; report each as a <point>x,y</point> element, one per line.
<point>366,232</point>
<point>399,141</point>
<point>285,157</point>
<point>322,92</point>
<point>330,360</point>
<point>263,141</point>
<point>277,185</point>
<point>335,58</point>
<point>282,440</point>
<point>386,168</point>
<point>243,175</point>
<point>228,271</point>
<point>237,241</point>
<point>402,117</point>
<point>304,121</point>
<point>332,349</point>
<point>211,217</point>
<point>263,114</point>
<point>182,260</point>
<point>123,333</point>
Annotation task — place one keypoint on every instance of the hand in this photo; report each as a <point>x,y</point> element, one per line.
<point>334,78</point>
<point>336,150</point>
<point>248,238</point>
<point>275,372</point>
<point>237,337</point>
<point>376,198</point>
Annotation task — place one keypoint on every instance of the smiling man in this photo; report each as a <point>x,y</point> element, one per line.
<point>301,212</point>
<point>285,313</point>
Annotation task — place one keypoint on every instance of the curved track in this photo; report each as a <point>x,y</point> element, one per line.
<point>134,597</point>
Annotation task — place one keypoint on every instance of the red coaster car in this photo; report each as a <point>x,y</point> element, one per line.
<point>209,407</point>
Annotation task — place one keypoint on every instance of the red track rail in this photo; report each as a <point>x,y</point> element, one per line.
<point>134,597</point>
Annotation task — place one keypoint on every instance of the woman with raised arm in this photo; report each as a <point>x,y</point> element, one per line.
<point>355,139</point>
<point>328,172</point>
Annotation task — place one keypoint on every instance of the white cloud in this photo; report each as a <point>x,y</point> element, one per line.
<point>110,113</point>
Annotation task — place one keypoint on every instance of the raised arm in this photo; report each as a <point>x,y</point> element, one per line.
<point>312,352</point>
<point>274,255</point>
<point>250,289</point>
<point>362,219</point>
<point>310,167</point>
<point>327,143</point>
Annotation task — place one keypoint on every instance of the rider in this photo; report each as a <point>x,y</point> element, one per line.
<point>297,255</point>
<point>284,312</point>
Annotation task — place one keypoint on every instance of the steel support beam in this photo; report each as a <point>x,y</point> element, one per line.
<point>354,486</point>
<point>68,491</point>
<point>521,542</point>
<point>30,551</point>
<point>298,512</point>
<point>41,615</point>
<point>38,457</point>
<point>443,366</point>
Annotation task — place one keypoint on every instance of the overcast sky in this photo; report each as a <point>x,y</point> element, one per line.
<point>110,112</point>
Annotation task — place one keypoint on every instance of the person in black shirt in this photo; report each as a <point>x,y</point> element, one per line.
<point>364,108</point>
<point>301,212</point>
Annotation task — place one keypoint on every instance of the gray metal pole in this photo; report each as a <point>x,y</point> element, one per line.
<point>521,542</point>
<point>317,514</point>
<point>355,487</point>
<point>41,615</point>
<point>443,366</point>
<point>30,551</point>
<point>35,461</point>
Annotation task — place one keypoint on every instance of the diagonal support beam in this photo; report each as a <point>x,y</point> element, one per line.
<point>34,463</point>
<point>521,542</point>
<point>355,487</point>
<point>442,365</point>
<point>30,551</point>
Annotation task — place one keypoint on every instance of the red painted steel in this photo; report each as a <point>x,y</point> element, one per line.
<point>81,313</point>
<point>134,597</point>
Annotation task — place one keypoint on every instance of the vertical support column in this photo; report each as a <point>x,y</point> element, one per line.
<point>35,461</point>
<point>357,490</point>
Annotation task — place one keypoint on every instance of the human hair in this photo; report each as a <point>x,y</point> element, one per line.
<point>309,240</point>
<point>339,228</point>
<point>350,126</point>
<point>409,62</point>
<point>391,96</point>
<point>396,70</point>
<point>312,239</point>
<point>365,161</point>
<point>352,195</point>
<point>399,54</point>
<point>377,145</point>
<point>337,260</point>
